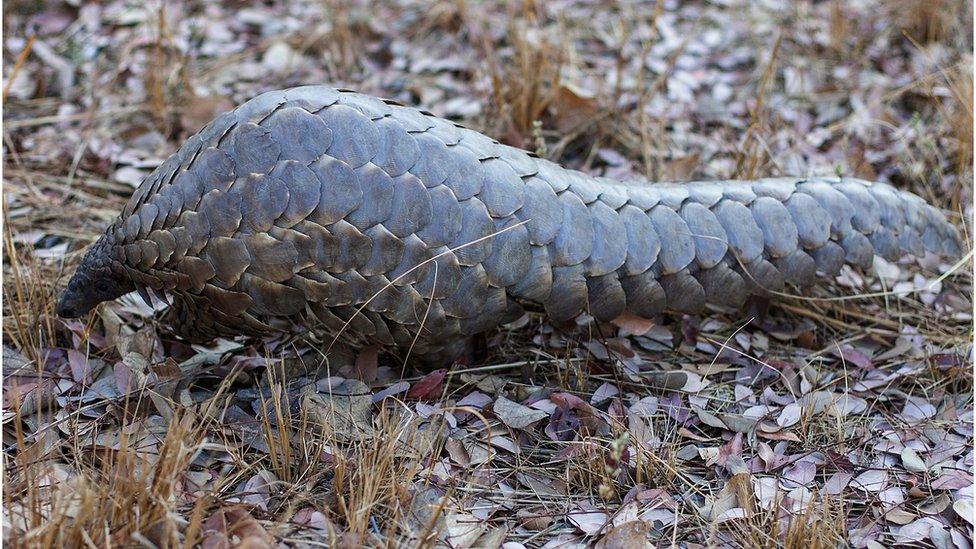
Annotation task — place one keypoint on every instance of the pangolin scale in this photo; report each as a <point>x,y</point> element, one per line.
<point>324,209</point>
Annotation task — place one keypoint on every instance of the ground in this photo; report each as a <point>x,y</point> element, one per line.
<point>845,418</point>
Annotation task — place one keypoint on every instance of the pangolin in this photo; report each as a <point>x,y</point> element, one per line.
<point>331,211</point>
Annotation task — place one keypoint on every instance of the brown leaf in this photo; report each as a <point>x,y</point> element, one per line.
<point>80,368</point>
<point>627,535</point>
<point>952,479</point>
<point>731,448</point>
<point>163,380</point>
<point>779,435</point>
<point>123,378</point>
<point>257,490</point>
<point>367,364</point>
<point>683,431</point>
<point>964,508</point>
<point>15,363</point>
<point>572,106</point>
<point>458,452</point>
<point>737,493</point>
<point>429,387</point>
<point>851,355</point>
<point>395,389</point>
<point>535,519</point>
<point>633,324</point>
<point>900,516</point>
<point>683,167</point>
<point>234,527</point>
<point>312,518</point>
<point>200,110</point>
<point>574,414</point>
<point>936,505</point>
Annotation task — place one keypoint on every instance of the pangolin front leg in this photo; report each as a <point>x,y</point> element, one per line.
<point>315,208</point>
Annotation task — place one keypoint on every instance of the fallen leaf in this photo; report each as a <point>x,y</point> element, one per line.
<point>429,386</point>
<point>604,392</point>
<point>852,356</point>
<point>462,529</point>
<point>628,535</point>
<point>516,415</point>
<point>952,479</point>
<point>572,106</point>
<point>789,416</point>
<point>313,519</point>
<point>872,480</point>
<point>495,538</point>
<point>257,490</point>
<point>587,518</point>
<point>800,473</point>
<point>900,516</point>
<point>912,462</point>
<point>367,364</point>
<point>632,324</point>
<point>395,389</point>
<point>765,490</point>
<point>936,504</point>
<point>346,410</point>
<point>80,367</point>
<point>848,404</point>
<point>200,110</point>
<point>916,410</point>
<point>226,524</point>
<point>535,519</point>
<point>964,508</point>
<point>731,514</point>
<point>837,482</point>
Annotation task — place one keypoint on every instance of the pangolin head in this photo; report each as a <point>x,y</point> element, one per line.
<point>94,281</point>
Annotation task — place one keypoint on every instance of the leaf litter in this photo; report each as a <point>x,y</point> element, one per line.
<point>815,421</point>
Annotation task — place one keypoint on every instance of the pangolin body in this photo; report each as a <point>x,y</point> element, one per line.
<point>337,211</point>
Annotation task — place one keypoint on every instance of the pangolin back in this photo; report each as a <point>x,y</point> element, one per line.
<point>323,208</point>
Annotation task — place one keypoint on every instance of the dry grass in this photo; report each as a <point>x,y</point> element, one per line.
<point>30,300</point>
<point>526,82</point>
<point>532,104</point>
<point>818,525</point>
<point>753,160</point>
<point>598,466</point>
<point>126,487</point>
<point>119,495</point>
<point>933,21</point>
<point>372,484</point>
<point>960,83</point>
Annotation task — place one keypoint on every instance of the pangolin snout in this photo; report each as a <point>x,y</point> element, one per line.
<point>65,309</point>
<point>72,303</point>
<point>89,287</point>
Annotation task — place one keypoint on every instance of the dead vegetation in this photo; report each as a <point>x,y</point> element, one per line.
<point>110,495</point>
<point>822,422</point>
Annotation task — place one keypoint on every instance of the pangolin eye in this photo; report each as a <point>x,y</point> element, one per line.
<point>101,287</point>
